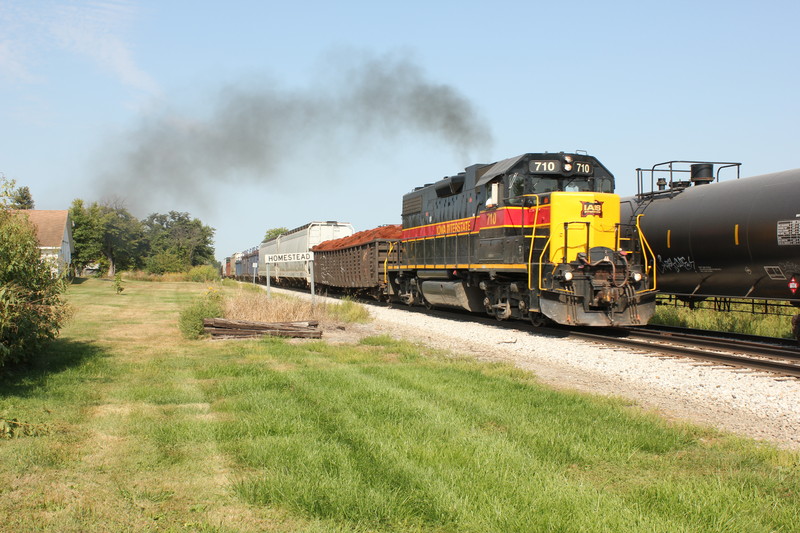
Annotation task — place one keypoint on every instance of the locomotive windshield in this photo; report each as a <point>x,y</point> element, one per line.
<point>519,185</point>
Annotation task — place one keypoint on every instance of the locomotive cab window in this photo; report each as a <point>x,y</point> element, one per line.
<point>604,185</point>
<point>516,188</point>
<point>494,193</point>
<point>544,185</point>
<point>578,185</point>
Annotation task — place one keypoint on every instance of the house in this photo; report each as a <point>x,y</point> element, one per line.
<point>54,233</point>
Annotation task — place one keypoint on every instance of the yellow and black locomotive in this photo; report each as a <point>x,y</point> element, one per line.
<point>533,237</point>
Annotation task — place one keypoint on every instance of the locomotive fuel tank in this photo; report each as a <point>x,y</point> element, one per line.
<point>738,238</point>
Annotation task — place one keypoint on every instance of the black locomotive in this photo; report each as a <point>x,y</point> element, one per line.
<point>532,237</point>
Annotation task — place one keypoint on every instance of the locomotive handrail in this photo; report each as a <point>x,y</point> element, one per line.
<point>386,262</point>
<point>530,256</point>
<point>541,260</point>
<point>644,256</point>
<point>541,272</point>
<point>566,237</point>
<point>534,226</point>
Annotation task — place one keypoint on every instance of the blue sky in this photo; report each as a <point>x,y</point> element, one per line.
<point>258,114</point>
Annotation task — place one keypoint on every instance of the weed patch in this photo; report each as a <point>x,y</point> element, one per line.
<point>739,319</point>
<point>191,318</point>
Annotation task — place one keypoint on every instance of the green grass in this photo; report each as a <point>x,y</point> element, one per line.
<point>386,437</point>
<point>739,319</point>
<point>148,431</point>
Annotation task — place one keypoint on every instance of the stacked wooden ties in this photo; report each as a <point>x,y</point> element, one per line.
<point>221,328</point>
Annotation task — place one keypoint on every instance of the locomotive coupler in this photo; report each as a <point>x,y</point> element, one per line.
<point>607,296</point>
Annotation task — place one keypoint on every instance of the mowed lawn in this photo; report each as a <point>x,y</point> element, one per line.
<point>124,426</point>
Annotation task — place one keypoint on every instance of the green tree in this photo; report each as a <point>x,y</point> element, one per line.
<point>6,191</point>
<point>274,232</point>
<point>21,198</point>
<point>107,234</point>
<point>124,243</point>
<point>87,234</point>
<point>32,310</point>
<point>176,241</point>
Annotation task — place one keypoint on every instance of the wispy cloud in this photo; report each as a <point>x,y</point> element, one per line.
<point>11,63</point>
<point>91,28</point>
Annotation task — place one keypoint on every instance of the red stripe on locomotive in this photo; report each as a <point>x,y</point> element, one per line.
<point>504,217</point>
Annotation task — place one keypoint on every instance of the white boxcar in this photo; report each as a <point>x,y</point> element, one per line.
<point>298,240</point>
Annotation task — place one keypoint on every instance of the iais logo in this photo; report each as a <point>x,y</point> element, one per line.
<point>594,209</point>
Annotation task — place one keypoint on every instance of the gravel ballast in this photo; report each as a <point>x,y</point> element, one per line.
<point>748,403</point>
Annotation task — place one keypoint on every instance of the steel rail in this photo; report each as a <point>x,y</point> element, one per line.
<point>671,346</point>
<point>766,347</point>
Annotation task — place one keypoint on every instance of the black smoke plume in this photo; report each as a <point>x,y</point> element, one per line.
<point>250,130</point>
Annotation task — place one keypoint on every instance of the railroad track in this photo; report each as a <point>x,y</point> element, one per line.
<point>776,356</point>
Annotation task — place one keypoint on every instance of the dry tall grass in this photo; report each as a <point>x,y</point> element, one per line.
<point>256,306</point>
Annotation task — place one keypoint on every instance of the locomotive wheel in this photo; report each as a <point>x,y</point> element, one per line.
<point>538,319</point>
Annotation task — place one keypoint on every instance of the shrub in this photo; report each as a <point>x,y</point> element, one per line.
<point>191,318</point>
<point>203,273</point>
<point>32,310</point>
<point>140,275</point>
<point>165,261</point>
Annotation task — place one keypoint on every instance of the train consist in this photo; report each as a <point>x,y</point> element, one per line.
<point>738,238</point>
<point>535,237</point>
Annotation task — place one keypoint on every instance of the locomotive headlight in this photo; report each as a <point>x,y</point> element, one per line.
<point>567,166</point>
<point>637,277</point>
<point>568,158</point>
<point>567,276</point>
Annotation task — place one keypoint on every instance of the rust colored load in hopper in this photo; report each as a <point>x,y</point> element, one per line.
<point>388,232</point>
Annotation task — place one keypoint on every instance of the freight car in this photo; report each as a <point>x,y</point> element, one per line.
<point>236,265</point>
<point>247,265</point>
<point>298,240</point>
<point>358,263</point>
<point>738,238</point>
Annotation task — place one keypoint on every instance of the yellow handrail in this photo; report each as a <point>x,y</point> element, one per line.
<point>530,256</point>
<point>386,263</point>
<point>541,256</point>
<point>644,254</point>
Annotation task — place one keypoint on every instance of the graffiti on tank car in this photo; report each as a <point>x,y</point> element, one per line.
<point>789,266</point>
<point>676,264</point>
